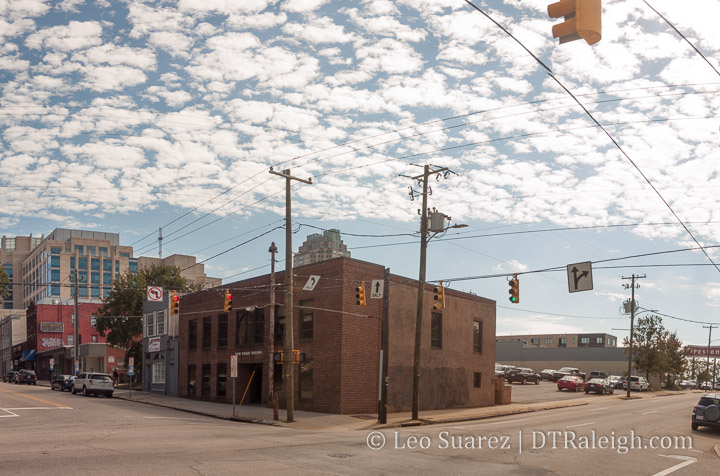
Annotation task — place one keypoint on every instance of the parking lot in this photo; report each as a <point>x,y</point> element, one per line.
<point>547,391</point>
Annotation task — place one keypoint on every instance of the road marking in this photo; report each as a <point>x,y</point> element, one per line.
<point>11,414</point>
<point>581,424</point>
<point>39,408</point>
<point>59,405</point>
<point>599,409</point>
<point>688,460</point>
<point>647,413</point>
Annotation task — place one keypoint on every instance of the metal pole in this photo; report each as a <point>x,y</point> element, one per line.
<point>382,412</point>
<point>420,296</point>
<point>233,396</point>
<point>632,324</point>
<point>271,329</point>
<point>710,328</point>
<point>76,363</point>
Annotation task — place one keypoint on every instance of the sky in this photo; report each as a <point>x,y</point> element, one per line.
<point>130,116</point>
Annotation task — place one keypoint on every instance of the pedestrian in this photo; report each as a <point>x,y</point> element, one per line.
<point>115,377</point>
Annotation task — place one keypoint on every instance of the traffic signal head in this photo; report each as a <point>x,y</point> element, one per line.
<point>439,297</point>
<point>174,303</point>
<point>582,20</point>
<point>360,294</point>
<point>514,289</point>
<point>227,306</point>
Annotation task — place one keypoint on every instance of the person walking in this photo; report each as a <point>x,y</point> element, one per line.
<point>115,377</point>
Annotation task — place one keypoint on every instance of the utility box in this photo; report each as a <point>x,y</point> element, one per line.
<point>437,222</point>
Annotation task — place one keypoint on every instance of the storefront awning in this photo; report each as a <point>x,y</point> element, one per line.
<point>28,355</point>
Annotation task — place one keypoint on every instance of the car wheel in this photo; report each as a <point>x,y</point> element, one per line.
<point>524,381</point>
<point>694,426</point>
<point>537,382</point>
<point>603,391</point>
<point>109,395</point>
<point>72,390</point>
<point>85,392</point>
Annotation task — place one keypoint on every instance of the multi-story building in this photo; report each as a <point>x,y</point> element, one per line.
<point>320,247</point>
<point>13,332</point>
<point>341,342</point>
<point>192,271</point>
<point>96,257</point>
<point>13,253</point>
<point>160,361</point>
<point>561,340</point>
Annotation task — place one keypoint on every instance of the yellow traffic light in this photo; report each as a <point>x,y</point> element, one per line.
<point>360,294</point>
<point>174,303</point>
<point>583,19</point>
<point>514,289</point>
<point>439,297</point>
<point>227,306</point>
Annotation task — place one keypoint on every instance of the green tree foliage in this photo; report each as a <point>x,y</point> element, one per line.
<point>674,356</point>
<point>649,336</point>
<point>120,317</point>
<point>4,284</point>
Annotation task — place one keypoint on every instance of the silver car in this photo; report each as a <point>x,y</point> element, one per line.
<point>93,383</point>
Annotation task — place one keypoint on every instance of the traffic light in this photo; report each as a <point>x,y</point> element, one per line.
<point>360,294</point>
<point>227,306</point>
<point>439,297</point>
<point>514,289</point>
<point>174,303</point>
<point>582,20</point>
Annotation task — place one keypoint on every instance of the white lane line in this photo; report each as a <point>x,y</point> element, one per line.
<point>581,424</point>
<point>688,460</point>
<point>39,408</point>
<point>599,409</point>
<point>647,413</point>
<point>11,414</point>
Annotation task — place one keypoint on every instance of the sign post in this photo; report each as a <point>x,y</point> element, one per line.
<point>131,365</point>
<point>52,368</point>
<point>233,374</point>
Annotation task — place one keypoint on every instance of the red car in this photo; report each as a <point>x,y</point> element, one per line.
<point>571,382</point>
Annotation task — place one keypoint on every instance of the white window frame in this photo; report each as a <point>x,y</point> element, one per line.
<point>150,324</point>
<point>158,372</point>
<point>161,323</point>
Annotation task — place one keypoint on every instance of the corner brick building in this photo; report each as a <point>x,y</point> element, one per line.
<point>341,342</point>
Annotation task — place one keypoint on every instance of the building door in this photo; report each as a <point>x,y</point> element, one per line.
<point>254,390</point>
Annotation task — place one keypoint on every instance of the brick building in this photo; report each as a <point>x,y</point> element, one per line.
<point>341,342</point>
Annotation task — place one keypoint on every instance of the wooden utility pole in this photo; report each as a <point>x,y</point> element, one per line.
<point>76,357</point>
<point>383,407</point>
<point>632,325</point>
<point>288,341</point>
<point>271,330</point>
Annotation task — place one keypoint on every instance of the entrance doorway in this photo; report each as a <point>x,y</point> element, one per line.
<point>254,391</point>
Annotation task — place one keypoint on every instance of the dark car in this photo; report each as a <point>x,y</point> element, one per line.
<point>597,375</point>
<point>62,382</point>
<point>706,412</point>
<point>547,374</point>
<point>523,375</point>
<point>599,385</point>
<point>26,376</point>
<point>616,381</point>
<point>567,371</point>
<point>10,376</point>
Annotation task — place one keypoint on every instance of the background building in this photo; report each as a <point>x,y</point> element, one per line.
<point>189,269</point>
<point>13,332</point>
<point>561,340</point>
<point>13,253</point>
<point>320,247</point>
<point>160,362</point>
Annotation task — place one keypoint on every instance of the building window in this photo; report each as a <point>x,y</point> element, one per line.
<point>70,339</point>
<point>205,391</point>
<point>222,331</point>
<point>150,324</point>
<point>584,340</point>
<point>477,337</point>
<point>436,331</point>
<point>306,380</point>
<point>95,292</point>
<point>562,342</point>
<point>535,340</point>
<point>250,327</point>
<point>598,340</point>
<point>221,383</point>
<point>161,323</point>
<point>207,333</point>
<point>79,249</point>
<point>548,340</point>
<point>103,251</point>
<point>158,372</point>
<point>93,338</point>
<point>306,319</point>
<point>91,250</point>
<point>192,334</point>
<point>55,261</point>
<point>82,262</point>
<point>191,380</point>
<point>107,265</point>
<point>477,379</point>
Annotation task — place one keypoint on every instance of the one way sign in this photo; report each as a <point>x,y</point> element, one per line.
<point>377,289</point>
<point>580,277</point>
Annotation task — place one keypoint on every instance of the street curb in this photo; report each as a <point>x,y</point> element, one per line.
<point>207,414</point>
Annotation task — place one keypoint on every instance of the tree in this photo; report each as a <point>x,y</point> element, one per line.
<point>649,336</point>
<point>674,357</point>
<point>4,284</point>
<point>120,317</point>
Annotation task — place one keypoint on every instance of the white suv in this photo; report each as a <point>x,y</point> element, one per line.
<point>637,383</point>
<point>93,383</point>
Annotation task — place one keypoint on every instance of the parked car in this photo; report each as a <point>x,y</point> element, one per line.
<point>637,383</point>
<point>616,381</point>
<point>62,382</point>
<point>599,385</point>
<point>706,412</point>
<point>706,386</point>
<point>26,376</point>
<point>597,375</point>
<point>547,374</point>
<point>501,369</point>
<point>523,375</point>
<point>565,371</point>
<point>10,376</point>
<point>93,383</point>
<point>571,382</point>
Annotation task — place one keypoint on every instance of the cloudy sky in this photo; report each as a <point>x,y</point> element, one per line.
<point>128,116</point>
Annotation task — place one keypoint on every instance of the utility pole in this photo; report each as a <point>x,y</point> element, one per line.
<point>709,328</point>
<point>421,279</point>
<point>632,324</point>
<point>271,330</point>
<point>382,410</point>
<point>288,341</point>
<point>160,238</point>
<point>76,363</point>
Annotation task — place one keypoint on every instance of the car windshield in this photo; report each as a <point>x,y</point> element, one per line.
<point>596,380</point>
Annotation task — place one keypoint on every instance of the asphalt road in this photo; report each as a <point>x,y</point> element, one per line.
<point>46,432</point>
